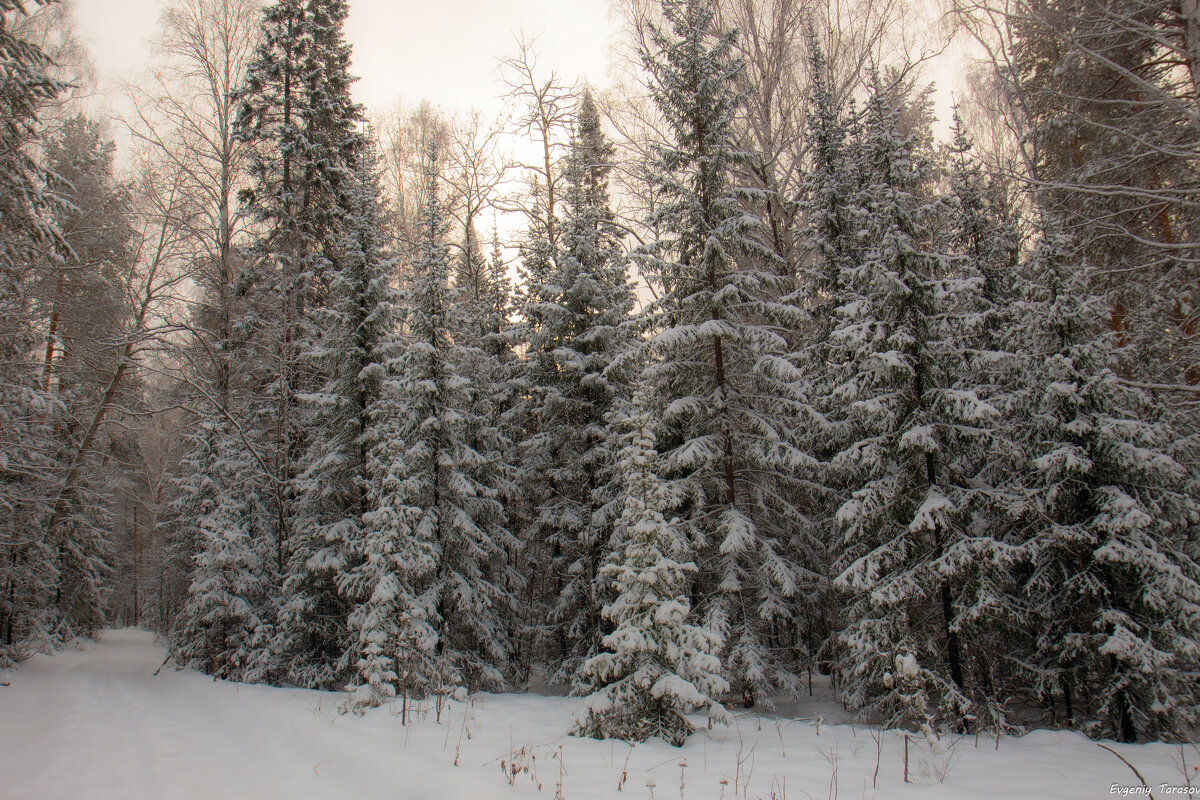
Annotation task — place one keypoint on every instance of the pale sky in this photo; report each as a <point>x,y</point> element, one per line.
<point>444,51</point>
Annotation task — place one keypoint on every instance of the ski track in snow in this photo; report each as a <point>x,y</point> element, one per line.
<point>97,723</point>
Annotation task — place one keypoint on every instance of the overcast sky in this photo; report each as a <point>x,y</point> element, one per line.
<point>444,51</point>
<point>441,50</point>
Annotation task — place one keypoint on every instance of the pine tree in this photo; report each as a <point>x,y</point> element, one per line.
<point>1110,514</point>
<point>585,332</point>
<point>658,666</point>
<point>901,340</point>
<point>727,393</point>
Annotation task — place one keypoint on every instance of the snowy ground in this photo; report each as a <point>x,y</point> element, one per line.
<point>98,723</point>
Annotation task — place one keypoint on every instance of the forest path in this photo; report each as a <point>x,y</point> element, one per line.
<point>98,723</point>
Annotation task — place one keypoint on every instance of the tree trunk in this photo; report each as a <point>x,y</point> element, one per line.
<point>52,331</point>
<point>953,651</point>
<point>136,566</point>
<point>549,188</point>
<point>1190,11</point>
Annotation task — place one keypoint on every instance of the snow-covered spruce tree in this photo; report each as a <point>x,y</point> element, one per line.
<point>25,224</point>
<point>977,236</point>
<point>830,192</point>
<point>483,298</point>
<point>194,494</point>
<point>983,231</point>
<point>500,403</point>
<point>497,393</point>
<point>657,666</point>
<point>584,332</point>
<point>981,243</point>
<point>447,485</point>
<point>395,621</point>
<point>536,272</point>
<point>225,627</point>
<point>29,240</point>
<point>536,368</point>
<point>498,340</point>
<point>497,333</point>
<point>357,340</point>
<point>470,273</point>
<point>901,349</point>
<point>27,470</point>
<point>1110,522</point>
<point>83,558</point>
<point>86,310</point>
<point>297,113</point>
<point>728,397</point>
<point>273,282</point>
<point>482,294</point>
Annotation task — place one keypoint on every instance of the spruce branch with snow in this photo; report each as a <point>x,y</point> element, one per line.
<point>658,665</point>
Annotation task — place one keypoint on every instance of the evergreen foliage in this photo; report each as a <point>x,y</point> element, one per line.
<point>657,666</point>
<point>357,342</point>
<point>225,626</point>
<point>582,342</point>
<point>297,113</point>
<point>902,344</point>
<point>445,486</point>
<point>1112,581</point>
<point>882,435</point>
<point>28,234</point>
<point>720,375</point>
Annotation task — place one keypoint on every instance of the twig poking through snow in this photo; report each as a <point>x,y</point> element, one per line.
<point>625,769</point>
<point>562,771</point>
<point>1182,765</point>
<point>464,730</point>
<point>877,735</point>
<point>1145,785</point>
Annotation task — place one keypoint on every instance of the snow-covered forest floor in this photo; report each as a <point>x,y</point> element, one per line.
<point>98,723</point>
